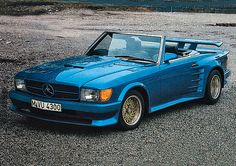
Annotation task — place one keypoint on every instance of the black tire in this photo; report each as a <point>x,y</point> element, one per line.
<point>209,98</point>
<point>122,124</point>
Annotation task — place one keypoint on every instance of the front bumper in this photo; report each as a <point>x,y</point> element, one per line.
<point>89,114</point>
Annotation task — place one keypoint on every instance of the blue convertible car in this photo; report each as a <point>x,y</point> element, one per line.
<point>120,78</point>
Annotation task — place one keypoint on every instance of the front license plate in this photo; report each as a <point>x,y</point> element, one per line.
<point>46,106</point>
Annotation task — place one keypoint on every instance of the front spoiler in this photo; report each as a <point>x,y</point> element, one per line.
<point>72,112</point>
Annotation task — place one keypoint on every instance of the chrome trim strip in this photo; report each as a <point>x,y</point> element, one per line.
<point>135,34</point>
<point>99,38</point>
<point>161,51</point>
<point>180,59</point>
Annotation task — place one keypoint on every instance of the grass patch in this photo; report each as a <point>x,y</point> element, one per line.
<point>37,7</point>
<point>27,7</point>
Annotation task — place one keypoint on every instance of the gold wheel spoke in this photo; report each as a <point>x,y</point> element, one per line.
<point>131,111</point>
<point>215,86</point>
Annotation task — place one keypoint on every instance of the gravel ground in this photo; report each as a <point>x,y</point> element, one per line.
<point>186,134</point>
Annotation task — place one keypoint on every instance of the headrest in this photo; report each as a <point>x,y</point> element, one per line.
<point>171,49</point>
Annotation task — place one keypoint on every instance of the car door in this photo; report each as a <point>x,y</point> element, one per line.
<point>176,78</point>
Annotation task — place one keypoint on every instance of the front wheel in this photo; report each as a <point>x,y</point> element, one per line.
<point>132,111</point>
<point>214,87</point>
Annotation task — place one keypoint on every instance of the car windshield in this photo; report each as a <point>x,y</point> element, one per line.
<point>134,47</point>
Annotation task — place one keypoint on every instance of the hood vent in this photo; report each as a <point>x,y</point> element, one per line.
<point>68,65</point>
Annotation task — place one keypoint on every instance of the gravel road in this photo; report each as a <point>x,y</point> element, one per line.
<point>186,134</point>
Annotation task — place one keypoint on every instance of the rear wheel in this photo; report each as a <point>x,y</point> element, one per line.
<point>132,111</point>
<point>214,87</point>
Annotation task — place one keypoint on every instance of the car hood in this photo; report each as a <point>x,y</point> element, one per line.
<point>78,70</point>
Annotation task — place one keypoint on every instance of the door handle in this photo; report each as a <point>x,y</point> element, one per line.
<point>195,65</point>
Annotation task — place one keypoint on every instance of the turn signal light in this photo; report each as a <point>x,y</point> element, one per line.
<point>105,95</point>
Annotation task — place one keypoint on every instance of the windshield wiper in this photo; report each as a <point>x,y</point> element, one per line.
<point>133,58</point>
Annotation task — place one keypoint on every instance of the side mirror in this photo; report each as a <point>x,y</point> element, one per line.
<point>169,56</point>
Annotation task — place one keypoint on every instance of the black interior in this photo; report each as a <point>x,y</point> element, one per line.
<point>173,48</point>
<point>101,52</point>
<point>170,47</point>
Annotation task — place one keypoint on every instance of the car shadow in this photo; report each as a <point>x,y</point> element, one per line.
<point>172,109</point>
<point>67,129</point>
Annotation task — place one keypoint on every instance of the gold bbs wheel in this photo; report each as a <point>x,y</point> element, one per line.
<point>214,87</point>
<point>132,110</point>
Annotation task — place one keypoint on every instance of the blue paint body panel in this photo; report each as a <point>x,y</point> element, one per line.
<point>166,83</point>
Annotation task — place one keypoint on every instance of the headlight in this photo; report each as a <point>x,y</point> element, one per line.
<point>89,95</point>
<point>20,84</point>
<point>95,95</point>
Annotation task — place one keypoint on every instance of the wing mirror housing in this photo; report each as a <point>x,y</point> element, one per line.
<point>169,56</point>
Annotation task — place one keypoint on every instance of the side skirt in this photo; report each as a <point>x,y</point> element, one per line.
<point>171,103</point>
